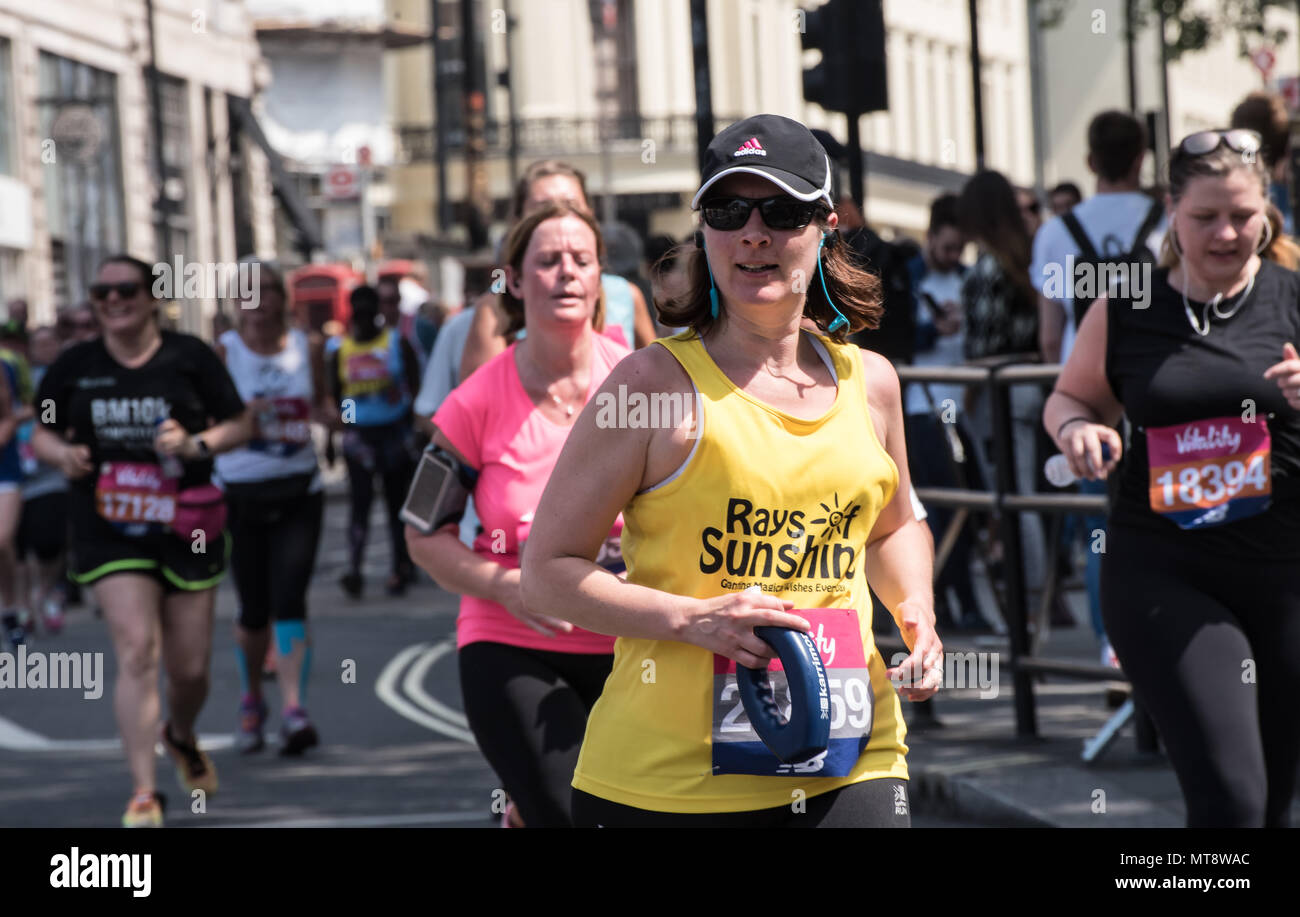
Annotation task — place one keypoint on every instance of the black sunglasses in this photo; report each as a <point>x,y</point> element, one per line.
<point>1239,140</point>
<point>780,212</point>
<point>126,290</point>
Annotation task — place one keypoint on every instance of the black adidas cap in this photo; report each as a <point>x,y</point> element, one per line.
<point>778,149</point>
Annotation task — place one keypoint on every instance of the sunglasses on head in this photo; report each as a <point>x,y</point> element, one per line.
<point>1239,140</point>
<point>126,290</point>
<point>780,212</point>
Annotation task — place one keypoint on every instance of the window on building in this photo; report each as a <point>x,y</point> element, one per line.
<point>6,111</point>
<point>211,161</point>
<point>614,37</point>
<point>11,280</point>
<point>77,107</point>
<point>177,181</point>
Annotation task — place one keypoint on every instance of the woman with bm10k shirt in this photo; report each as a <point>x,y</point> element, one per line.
<point>790,474</point>
<point>133,419</point>
<point>1200,580</point>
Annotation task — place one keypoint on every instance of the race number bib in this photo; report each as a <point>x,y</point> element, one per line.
<point>371,366</point>
<point>737,749</point>
<point>136,497</point>
<point>288,432</point>
<point>611,551</point>
<point>1209,472</point>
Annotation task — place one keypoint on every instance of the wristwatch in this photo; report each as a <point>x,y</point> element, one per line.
<point>204,451</point>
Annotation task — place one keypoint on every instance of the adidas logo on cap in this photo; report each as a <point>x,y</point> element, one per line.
<point>750,147</point>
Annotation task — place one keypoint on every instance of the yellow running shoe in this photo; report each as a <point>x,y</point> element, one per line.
<point>194,769</point>
<point>145,810</point>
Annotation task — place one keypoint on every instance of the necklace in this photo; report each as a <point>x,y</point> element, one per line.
<point>1203,328</point>
<point>568,408</point>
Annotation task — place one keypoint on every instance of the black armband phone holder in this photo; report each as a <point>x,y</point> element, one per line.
<point>439,491</point>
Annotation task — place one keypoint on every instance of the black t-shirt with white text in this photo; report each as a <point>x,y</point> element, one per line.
<point>87,397</point>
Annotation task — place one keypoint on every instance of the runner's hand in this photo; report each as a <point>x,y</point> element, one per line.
<point>74,461</point>
<point>1080,443</point>
<point>920,675</point>
<point>171,439</point>
<point>1287,375</point>
<point>508,595</point>
<point>725,625</point>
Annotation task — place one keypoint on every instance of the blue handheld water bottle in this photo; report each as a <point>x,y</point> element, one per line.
<point>808,730</point>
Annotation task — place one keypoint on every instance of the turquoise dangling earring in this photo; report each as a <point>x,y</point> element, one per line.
<point>713,288</point>
<point>713,291</point>
<point>840,321</point>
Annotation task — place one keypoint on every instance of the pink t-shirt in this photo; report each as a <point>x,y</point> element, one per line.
<point>494,424</point>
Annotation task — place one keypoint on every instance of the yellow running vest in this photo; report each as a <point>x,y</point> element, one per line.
<point>765,498</point>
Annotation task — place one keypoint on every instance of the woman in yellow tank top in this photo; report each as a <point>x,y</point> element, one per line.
<point>746,451</point>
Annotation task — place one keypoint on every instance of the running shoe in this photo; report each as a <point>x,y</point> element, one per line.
<point>52,616</point>
<point>14,632</point>
<point>1108,657</point>
<point>297,734</point>
<point>511,818</point>
<point>352,584</point>
<point>194,769</point>
<point>252,717</point>
<point>145,810</point>
<point>401,578</point>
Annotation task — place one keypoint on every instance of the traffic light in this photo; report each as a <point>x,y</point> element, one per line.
<point>851,75</point>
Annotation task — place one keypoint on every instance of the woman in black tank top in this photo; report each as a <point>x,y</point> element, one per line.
<point>1200,585</point>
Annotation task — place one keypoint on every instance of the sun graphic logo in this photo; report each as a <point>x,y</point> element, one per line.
<point>836,520</point>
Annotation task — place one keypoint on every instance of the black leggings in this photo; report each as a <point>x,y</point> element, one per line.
<point>273,555</point>
<point>878,803</point>
<point>387,451</point>
<point>1212,648</point>
<point>528,710</point>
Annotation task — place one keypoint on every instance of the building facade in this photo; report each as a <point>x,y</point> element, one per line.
<point>1084,70</point>
<point>630,126</point>
<point>78,166</point>
<point>323,112</point>
<point>608,85</point>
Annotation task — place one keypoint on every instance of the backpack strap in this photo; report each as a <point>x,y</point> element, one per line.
<point>1148,225</point>
<point>1081,239</point>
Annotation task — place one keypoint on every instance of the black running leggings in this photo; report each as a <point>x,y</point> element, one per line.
<point>878,803</point>
<point>386,451</point>
<point>1212,648</point>
<point>528,710</point>
<point>273,555</point>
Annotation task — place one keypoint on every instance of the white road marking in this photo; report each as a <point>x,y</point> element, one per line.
<point>413,685</point>
<point>385,688</point>
<point>363,821</point>
<point>15,738</point>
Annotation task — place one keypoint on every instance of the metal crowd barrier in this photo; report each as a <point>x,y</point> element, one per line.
<point>1005,502</point>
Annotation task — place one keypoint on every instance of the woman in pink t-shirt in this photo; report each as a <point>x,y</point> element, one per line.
<point>528,680</point>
